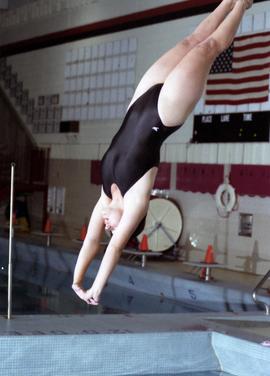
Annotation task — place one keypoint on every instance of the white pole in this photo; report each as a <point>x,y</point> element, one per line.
<point>10,242</point>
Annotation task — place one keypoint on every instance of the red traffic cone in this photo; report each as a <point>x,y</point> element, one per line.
<point>83,232</point>
<point>208,259</point>
<point>209,255</point>
<point>143,246</point>
<point>48,226</point>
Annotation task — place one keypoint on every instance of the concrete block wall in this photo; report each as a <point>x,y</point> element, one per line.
<point>203,226</point>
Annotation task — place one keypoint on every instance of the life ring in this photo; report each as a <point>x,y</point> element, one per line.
<point>231,197</point>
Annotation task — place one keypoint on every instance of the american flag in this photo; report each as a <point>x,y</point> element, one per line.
<point>240,75</point>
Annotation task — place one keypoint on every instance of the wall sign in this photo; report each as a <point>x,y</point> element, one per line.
<point>235,127</point>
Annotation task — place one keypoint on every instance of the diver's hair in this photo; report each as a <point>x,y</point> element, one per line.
<point>137,232</point>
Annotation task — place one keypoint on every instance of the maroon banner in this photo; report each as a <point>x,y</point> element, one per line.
<point>198,177</point>
<point>251,180</point>
<point>163,178</point>
<point>95,174</point>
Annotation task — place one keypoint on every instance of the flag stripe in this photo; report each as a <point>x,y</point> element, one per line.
<point>251,68</point>
<point>242,38</point>
<point>238,91</point>
<point>234,80</point>
<point>255,51</point>
<point>252,57</point>
<point>234,102</point>
<point>244,75</point>
<point>252,86</point>
<point>239,96</point>
<point>251,46</point>
<point>241,74</point>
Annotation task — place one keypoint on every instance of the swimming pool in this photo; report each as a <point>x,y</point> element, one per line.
<point>41,291</point>
<point>169,343</point>
<point>44,276</point>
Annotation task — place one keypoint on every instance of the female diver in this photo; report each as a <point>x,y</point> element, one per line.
<point>165,96</point>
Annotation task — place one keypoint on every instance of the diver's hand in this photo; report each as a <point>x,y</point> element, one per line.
<point>92,296</point>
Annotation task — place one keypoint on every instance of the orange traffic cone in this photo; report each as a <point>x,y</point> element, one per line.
<point>83,232</point>
<point>208,259</point>
<point>48,226</point>
<point>143,246</point>
<point>209,255</point>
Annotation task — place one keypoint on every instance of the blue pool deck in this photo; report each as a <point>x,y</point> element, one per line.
<point>225,342</point>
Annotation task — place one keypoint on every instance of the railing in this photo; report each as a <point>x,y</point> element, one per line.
<point>9,311</point>
<point>254,293</point>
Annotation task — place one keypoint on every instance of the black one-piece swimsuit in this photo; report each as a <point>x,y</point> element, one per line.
<point>135,149</point>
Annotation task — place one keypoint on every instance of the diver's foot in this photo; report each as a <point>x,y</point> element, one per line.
<point>248,3</point>
<point>77,288</point>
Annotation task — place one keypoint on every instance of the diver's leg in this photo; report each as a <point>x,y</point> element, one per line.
<point>185,84</point>
<point>160,70</point>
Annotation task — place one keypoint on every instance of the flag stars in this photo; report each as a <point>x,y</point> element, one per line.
<point>223,62</point>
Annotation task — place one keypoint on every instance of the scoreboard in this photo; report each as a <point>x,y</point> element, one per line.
<point>234,127</point>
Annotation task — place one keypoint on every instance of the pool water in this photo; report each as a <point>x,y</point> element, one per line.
<point>46,291</point>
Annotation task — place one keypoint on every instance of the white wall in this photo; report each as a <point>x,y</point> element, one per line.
<point>203,226</point>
